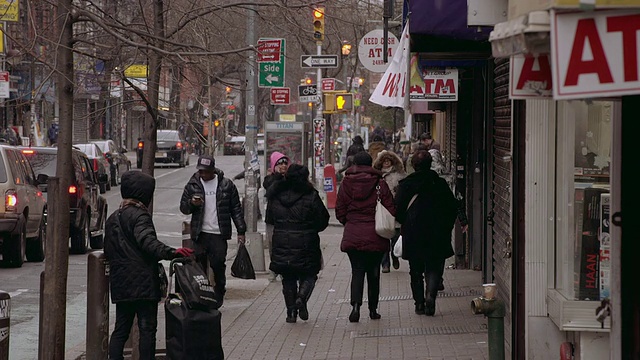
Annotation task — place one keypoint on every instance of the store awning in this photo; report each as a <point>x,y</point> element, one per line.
<point>527,34</point>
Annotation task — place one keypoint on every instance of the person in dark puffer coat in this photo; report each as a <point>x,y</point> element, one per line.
<point>133,250</point>
<point>426,229</point>
<point>356,209</point>
<point>297,214</point>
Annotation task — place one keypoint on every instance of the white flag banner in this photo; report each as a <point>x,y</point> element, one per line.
<point>392,90</point>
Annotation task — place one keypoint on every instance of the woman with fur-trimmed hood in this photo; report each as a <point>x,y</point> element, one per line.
<point>392,172</point>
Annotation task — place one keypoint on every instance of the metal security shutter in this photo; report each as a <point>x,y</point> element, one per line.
<point>501,190</point>
<point>80,123</point>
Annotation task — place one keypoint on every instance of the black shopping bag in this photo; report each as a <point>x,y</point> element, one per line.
<point>242,267</point>
<point>194,285</point>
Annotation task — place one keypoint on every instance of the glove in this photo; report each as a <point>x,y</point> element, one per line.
<point>184,252</point>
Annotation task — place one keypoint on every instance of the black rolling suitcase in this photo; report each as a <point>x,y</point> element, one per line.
<point>193,333</point>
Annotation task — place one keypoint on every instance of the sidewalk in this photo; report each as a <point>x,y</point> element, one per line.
<point>254,327</point>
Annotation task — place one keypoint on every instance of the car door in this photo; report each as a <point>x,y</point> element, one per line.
<point>92,189</point>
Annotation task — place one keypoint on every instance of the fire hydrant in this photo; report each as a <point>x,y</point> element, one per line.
<point>494,310</point>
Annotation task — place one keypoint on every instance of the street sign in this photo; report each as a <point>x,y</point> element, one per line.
<point>271,60</point>
<point>307,93</point>
<point>328,84</point>
<point>280,96</point>
<point>270,50</point>
<point>4,85</point>
<point>271,74</point>
<point>319,61</point>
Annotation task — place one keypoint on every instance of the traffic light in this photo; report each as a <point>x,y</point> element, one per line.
<point>216,123</point>
<point>344,102</point>
<point>318,24</point>
<point>308,81</point>
<point>227,92</point>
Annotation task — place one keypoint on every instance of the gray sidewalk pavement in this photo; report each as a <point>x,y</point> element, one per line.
<point>254,327</point>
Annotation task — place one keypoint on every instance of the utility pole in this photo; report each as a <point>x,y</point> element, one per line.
<point>211,134</point>
<point>318,35</point>
<point>253,238</point>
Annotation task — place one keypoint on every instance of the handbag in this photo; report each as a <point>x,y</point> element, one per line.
<point>385,222</point>
<point>397,248</point>
<point>242,267</point>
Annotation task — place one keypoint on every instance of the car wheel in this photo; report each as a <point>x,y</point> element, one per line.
<point>114,177</point>
<point>103,188</point>
<point>15,248</point>
<point>36,246</point>
<point>80,237</point>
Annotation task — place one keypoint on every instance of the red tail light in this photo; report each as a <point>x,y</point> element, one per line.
<point>179,145</point>
<point>10,200</point>
<point>73,189</point>
<point>28,152</point>
<point>95,165</point>
<point>140,145</point>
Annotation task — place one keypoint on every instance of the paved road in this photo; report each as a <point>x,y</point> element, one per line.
<point>23,283</point>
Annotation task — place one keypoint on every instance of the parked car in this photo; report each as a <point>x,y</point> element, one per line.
<point>117,157</point>
<point>234,145</point>
<point>99,163</point>
<point>88,209</point>
<point>170,148</point>
<point>23,224</point>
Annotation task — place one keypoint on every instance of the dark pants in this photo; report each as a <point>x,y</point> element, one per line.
<point>365,263</point>
<point>420,270</point>
<point>147,312</point>
<point>213,247</point>
<point>386,259</point>
<point>296,286</point>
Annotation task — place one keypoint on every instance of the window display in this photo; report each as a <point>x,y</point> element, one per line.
<point>583,246</point>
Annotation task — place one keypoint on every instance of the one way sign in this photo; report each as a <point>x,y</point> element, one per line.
<point>319,61</point>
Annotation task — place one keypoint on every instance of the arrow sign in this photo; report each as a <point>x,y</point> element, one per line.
<point>271,79</point>
<point>319,61</point>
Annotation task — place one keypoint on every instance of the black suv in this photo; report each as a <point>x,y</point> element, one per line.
<point>88,208</point>
<point>170,148</point>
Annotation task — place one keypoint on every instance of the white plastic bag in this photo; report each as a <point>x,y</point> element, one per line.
<point>385,222</point>
<point>397,248</point>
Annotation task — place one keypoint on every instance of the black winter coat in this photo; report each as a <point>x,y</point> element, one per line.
<point>131,245</point>
<point>427,224</point>
<point>297,214</point>
<point>227,201</point>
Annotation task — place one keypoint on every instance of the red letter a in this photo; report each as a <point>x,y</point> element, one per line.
<point>528,74</point>
<point>587,31</point>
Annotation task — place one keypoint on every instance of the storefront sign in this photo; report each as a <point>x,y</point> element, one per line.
<point>595,54</point>
<point>371,47</point>
<point>530,77</point>
<point>438,85</point>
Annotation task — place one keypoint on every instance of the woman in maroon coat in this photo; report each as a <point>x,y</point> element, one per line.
<point>356,209</point>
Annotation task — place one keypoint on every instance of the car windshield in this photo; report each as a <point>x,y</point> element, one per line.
<point>89,149</point>
<point>102,145</point>
<point>164,135</point>
<point>43,163</point>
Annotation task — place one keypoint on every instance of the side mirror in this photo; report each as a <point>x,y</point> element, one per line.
<point>42,179</point>
<point>103,178</point>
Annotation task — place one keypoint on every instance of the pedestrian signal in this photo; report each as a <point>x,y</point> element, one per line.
<point>344,102</point>
<point>318,24</point>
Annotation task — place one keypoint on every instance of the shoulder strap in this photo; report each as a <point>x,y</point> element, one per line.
<point>412,200</point>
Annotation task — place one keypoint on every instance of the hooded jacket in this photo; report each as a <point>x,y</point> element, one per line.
<point>376,147</point>
<point>297,214</point>
<point>356,209</point>
<point>427,224</point>
<point>131,245</point>
<point>227,202</point>
<point>274,176</point>
<point>393,175</point>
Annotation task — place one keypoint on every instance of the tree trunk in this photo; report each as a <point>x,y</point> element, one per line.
<point>57,248</point>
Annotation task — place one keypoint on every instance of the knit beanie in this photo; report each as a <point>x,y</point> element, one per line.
<point>362,158</point>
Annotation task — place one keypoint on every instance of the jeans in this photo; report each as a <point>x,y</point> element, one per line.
<point>432,271</point>
<point>147,312</point>
<point>365,263</point>
<point>213,247</point>
<point>386,259</point>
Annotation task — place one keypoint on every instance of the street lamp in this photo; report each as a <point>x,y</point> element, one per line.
<point>346,48</point>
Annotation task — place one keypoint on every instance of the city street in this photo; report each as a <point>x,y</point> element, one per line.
<point>23,283</point>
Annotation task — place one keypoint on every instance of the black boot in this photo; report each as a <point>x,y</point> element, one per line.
<point>355,313</point>
<point>417,290</point>
<point>304,292</point>
<point>290,292</point>
<point>430,305</point>
<point>373,314</point>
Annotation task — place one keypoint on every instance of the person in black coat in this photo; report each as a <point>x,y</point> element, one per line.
<point>427,209</point>
<point>133,250</point>
<point>213,202</point>
<point>297,214</point>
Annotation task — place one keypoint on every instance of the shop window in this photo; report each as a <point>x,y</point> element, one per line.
<point>583,148</point>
